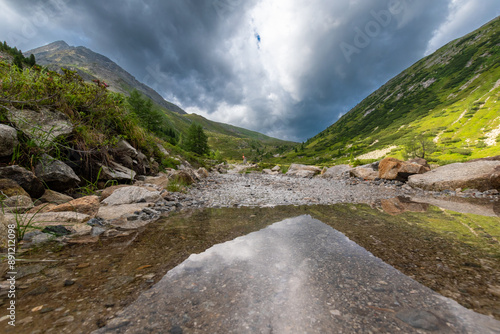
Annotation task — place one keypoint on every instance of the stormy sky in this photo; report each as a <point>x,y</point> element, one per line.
<point>286,68</point>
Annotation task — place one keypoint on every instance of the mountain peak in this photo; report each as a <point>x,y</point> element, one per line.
<point>91,65</point>
<point>52,47</point>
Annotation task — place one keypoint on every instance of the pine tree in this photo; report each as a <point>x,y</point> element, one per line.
<point>196,140</point>
<point>31,60</point>
<point>18,61</point>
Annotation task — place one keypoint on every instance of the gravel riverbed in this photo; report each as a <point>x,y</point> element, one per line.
<point>260,190</point>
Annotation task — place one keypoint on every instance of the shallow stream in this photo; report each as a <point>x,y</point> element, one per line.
<point>85,285</point>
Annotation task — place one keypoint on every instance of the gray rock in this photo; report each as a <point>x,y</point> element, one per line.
<point>107,212</point>
<point>8,140</point>
<point>124,148</point>
<point>56,174</point>
<point>132,194</point>
<point>201,173</point>
<point>116,172</point>
<point>30,235</point>
<point>480,175</point>
<point>19,203</point>
<point>41,238</point>
<point>364,173</point>
<point>26,179</point>
<point>303,170</point>
<point>54,197</point>
<point>336,172</point>
<point>42,126</point>
<point>97,230</point>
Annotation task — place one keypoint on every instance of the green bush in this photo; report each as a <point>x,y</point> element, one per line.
<point>481,144</point>
<point>462,151</point>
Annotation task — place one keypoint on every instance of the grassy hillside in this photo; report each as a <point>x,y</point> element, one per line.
<point>100,118</point>
<point>449,97</point>
<point>91,65</point>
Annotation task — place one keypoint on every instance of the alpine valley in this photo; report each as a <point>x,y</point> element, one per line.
<point>449,97</point>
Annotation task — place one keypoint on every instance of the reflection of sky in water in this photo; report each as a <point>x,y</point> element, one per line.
<point>298,275</point>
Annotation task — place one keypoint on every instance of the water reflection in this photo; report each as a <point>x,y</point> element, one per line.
<point>295,276</point>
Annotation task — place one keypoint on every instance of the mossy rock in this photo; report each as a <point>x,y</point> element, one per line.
<point>10,188</point>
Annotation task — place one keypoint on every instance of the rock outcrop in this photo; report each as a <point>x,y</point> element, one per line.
<point>303,171</point>
<point>42,126</point>
<point>480,175</point>
<point>394,169</point>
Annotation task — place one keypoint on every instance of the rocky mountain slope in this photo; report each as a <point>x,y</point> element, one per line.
<point>232,142</point>
<point>91,65</point>
<point>449,97</point>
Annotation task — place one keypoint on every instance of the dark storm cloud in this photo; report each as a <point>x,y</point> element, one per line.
<point>287,68</point>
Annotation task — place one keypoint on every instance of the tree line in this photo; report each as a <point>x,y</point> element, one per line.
<point>19,59</point>
<point>155,121</point>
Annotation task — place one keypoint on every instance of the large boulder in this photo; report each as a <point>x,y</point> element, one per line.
<point>480,175</point>
<point>132,194</point>
<point>303,171</point>
<point>42,126</point>
<point>364,173</point>
<point>335,172</point>
<point>56,174</point>
<point>26,179</point>
<point>8,140</point>
<point>394,169</point>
